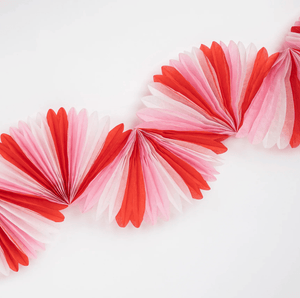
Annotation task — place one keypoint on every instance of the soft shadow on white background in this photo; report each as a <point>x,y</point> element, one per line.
<point>241,240</point>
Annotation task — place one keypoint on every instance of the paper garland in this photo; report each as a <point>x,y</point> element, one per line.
<point>195,104</point>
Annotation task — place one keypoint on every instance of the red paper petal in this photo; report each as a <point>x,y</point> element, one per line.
<point>295,84</point>
<point>207,140</point>
<point>133,205</point>
<point>13,255</point>
<point>58,124</point>
<point>39,205</point>
<point>295,29</point>
<point>218,61</point>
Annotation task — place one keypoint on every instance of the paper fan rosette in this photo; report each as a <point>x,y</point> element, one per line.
<point>209,89</point>
<point>154,169</point>
<point>46,164</point>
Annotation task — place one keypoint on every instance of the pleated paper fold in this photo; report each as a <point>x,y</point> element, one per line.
<point>45,165</point>
<point>209,89</point>
<point>274,115</point>
<point>154,169</point>
<point>209,94</point>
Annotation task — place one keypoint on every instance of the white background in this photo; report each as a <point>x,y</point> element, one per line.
<point>241,240</point>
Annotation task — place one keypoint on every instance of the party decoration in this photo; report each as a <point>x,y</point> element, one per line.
<point>154,169</point>
<point>196,103</point>
<point>46,164</point>
<point>57,156</point>
<point>209,89</point>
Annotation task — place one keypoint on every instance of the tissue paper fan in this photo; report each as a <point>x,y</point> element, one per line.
<point>45,165</point>
<point>153,169</point>
<point>209,89</point>
<point>57,156</point>
<point>276,108</point>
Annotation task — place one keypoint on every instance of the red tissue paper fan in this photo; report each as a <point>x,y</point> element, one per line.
<point>154,169</point>
<point>46,164</point>
<point>209,89</point>
<point>57,156</point>
<point>230,90</point>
